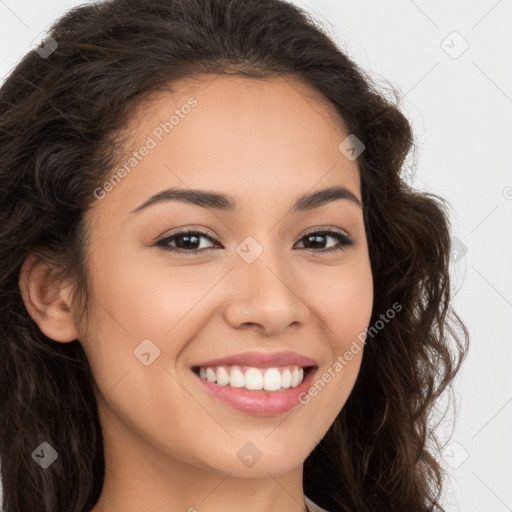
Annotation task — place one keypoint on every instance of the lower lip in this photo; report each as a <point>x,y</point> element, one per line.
<point>259,403</point>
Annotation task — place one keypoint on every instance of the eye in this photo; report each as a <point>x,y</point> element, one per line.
<point>316,238</point>
<point>189,241</point>
<point>186,242</point>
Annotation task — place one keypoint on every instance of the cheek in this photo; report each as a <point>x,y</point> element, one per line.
<point>343,299</point>
<point>148,299</point>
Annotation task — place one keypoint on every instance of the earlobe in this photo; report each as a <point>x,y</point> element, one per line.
<point>47,301</point>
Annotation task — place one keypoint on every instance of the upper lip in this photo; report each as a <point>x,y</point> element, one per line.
<point>261,360</point>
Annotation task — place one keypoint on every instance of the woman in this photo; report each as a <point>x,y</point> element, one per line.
<point>218,291</point>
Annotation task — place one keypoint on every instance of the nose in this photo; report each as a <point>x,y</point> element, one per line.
<point>265,295</point>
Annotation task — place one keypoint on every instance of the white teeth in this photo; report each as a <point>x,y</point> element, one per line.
<point>222,376</point>
<point>236,379</point>
<point>272,380</point>
<point>286,379</point>
<point>254,379</point>
<point>297,376</point>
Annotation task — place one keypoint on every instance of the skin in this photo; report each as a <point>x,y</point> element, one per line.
<point>168,444</point>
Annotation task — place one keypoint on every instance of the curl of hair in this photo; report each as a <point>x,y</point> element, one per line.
<point>60,125</point>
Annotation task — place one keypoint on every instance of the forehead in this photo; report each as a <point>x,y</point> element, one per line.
<point>242,136</point>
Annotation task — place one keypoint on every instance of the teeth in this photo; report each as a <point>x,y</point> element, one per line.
<point>286,378</point>
<point>236,378</point>
<point>222,376</point>
<point>272,380</point>
<point>254,379</point>
<point>297,376</point>
<point>212,377</point>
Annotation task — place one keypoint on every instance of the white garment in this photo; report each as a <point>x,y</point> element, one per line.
<point>313,507</point>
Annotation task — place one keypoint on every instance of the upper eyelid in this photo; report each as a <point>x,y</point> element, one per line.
<point>326,228</point>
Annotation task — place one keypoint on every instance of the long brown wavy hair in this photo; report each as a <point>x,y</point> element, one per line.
<point>60,118</point>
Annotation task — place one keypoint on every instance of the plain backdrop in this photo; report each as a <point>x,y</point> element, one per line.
<point>452,65</point>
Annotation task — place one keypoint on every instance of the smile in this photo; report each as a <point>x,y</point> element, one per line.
<point>254,379</point>
<point>257,383</point>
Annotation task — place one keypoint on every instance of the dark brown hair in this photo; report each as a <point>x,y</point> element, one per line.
<point>59,121</point>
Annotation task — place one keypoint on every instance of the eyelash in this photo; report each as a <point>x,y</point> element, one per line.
<point>344,240</point>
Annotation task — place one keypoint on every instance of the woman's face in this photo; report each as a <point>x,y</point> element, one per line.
<point>249,279</point>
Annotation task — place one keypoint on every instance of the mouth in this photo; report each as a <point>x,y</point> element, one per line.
<point>270,380</point>
<point>255,383</point>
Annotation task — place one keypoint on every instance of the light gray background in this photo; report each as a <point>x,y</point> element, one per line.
<point>460,105</point>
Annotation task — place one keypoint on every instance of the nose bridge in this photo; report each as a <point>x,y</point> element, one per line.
<point>262,264</point>
<point>263,287</point>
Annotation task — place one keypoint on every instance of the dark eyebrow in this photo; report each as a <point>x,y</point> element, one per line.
<point>324,196</point>
<point>223,202</point>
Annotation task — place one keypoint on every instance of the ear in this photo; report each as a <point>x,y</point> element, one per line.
<point>47,301</point>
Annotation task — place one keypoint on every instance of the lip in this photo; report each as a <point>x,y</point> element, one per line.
<point>260,403</point>
<point>261,360</point>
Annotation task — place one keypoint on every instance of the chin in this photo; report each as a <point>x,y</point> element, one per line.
<point>249,461</point>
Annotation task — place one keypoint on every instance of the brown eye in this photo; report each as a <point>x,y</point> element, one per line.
<point>186,242</point>
<point>317,239</point>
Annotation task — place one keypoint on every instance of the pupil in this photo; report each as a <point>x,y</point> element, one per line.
<point>315,238</point>
<point>187,238</point>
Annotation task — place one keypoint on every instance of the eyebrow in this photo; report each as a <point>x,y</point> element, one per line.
<point>224,202</point>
